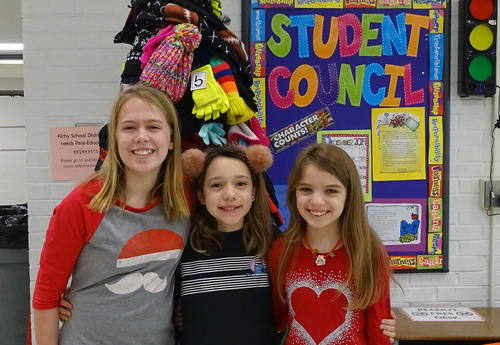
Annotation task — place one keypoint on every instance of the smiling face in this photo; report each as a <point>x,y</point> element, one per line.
<point>228,192</point>
<point>143,138</point>
<point>320,199</point>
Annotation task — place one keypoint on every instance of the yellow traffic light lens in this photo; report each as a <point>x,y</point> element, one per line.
<point>481,37</point>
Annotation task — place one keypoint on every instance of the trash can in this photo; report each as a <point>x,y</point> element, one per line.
<point>14,275</point>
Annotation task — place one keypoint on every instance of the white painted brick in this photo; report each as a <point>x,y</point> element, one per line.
<point>57,39</point>
<point>466,108</point>
<point>38,175</point>
<point>463,201</point>
<point>42,207</point>
<point>468,263</point>
<point>38,191</point>
<point>36,240</point>
<point>462,232</point>
<point>454,154</point>
<point>468,248</point>
<point>472,278</point>
<point>58,191</point>
<point>402,278</point>
<point>113,56</point>
<point>53,99</point>
<point>105,7</point>
<point>38,158</point>
<point>473,217</point>
<point>413,294</point>
<point>37,142</point>
<point>33,272</point>
<point>453,216</point>
<point>34,255</point>
<point>474,123</point>
<point>469,186</point>
<point>468,169</point>
<point>454,186</point>
<point>453,248</point>
<point>474,154</point>
<point>468,138</point>
<point>460,294</point>
<point>433,279</point>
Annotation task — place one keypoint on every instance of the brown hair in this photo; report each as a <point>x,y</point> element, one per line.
<point>169,184</point>
<point>204,237</point>
<point>368,261</point>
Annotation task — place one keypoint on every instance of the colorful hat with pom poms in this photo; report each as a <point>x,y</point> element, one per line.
<point>169,67</point>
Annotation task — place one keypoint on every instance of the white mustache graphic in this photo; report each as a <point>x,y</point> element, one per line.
<point>133,281</point>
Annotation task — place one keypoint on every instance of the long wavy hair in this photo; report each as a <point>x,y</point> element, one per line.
<point>204,237</point>
<point>169,185</point>
<point>369,269</point>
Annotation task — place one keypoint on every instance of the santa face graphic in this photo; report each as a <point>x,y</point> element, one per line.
<point>144,247</point>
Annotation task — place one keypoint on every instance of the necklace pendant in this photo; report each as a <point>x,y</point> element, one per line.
<point>320,260</point>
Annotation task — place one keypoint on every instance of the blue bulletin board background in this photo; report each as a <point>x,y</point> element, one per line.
<point>372,77</point>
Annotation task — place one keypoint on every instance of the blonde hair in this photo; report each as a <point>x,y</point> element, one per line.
<point>369,269</point>
<point>169,185</point>
<point>257,235</point>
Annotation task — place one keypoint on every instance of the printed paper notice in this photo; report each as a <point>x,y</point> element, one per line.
<point>398,144</point>
<point>74,152</point>
<point>357,144</point>
<point>443,314</point>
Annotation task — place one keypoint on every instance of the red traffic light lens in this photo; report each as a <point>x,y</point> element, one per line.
<point>481,9</point>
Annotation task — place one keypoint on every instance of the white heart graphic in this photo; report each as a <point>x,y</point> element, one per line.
<point>318,289</point>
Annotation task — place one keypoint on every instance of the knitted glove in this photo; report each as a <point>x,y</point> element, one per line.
<point>214,132</point>
<point>216,8</point>
<point>238,111</point>
<point>258,131</point>
<point>241,134</point>
<point>210,101</point>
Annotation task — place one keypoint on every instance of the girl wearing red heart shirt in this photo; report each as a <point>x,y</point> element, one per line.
<point>330,271</point>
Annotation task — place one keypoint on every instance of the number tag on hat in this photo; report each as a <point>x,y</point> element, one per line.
<point>198,80</point>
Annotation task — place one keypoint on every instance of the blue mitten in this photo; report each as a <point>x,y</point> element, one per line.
<point>213,131</point>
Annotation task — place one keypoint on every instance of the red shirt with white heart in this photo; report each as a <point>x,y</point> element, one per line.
<point>316,300</point>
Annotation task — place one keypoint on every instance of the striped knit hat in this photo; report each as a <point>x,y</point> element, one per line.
<point>169,67</point>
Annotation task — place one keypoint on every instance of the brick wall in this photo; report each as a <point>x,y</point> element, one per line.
<point>72,73</point>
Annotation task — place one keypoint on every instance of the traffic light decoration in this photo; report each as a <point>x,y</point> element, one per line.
<point>477,47</point>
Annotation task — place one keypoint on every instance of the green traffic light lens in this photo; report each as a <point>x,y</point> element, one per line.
<point>481,37</point>
<point>481,9</point>
<point>480,68</point>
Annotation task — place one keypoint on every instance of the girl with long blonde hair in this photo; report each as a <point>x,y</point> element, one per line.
<point>120,235</point>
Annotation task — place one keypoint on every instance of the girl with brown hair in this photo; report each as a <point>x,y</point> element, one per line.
<point>330,271</point>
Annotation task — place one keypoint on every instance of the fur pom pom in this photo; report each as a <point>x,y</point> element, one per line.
<point>259,157</point>
<point>193,161</point>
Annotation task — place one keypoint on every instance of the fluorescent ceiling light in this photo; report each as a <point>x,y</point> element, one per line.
<point>11,46</point>
<point>11,62</point>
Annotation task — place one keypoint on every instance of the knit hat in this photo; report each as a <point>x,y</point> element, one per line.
<point>153,43</point>
<point>169,67</point>
<point>238,111</point>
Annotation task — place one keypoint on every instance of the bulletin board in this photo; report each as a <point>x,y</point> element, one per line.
<point>370,76</point>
